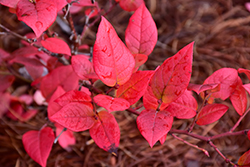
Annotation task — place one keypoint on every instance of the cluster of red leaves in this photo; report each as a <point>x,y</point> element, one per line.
<point>166,91</point>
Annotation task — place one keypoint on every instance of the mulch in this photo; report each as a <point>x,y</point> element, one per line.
<point>221,31</point>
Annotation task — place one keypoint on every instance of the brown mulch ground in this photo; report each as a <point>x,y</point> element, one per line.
<point>221,31</point>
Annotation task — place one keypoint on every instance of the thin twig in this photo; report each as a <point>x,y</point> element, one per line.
<point>131,110</point>
<point>74,37</point>
<point>87,25</point>
<point>197,113</point>
<point>238,122</point>
<point>190,144</point>
<point>220,153</point>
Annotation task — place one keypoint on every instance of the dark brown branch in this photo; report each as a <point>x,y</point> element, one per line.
<point>60,57</point>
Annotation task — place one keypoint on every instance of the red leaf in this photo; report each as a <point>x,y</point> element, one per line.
<point>245,71</point>
<point>106,132</point>
<point>30,52</point>
<point>28,114</point>
<point>11,4</point>
<point>140,59</point>
<point>134,88</point>
<point>245,159</point>
<point>73,96</point>
<point>171,79</point>
<point>38,15</point>
<point>227,78</point>
<point>56,45</point>
<point>110,103</point>
<point>201,88</point>
<point>63,76</point>
<point>163,139</point>
<point>211,113</point>
<point>151,102</point>
<point>239,98</point>
<point>66,138</point>
<point>75,116</point>
<point>153,125</point>
<point>184,107</point>
<point>130,5</point>
<point>81,65</point>
<point>91,12</point>
<point>60,4</point>
<point>34,67</point>
<point>141,33</point>
<point>6,81</point>
<point>113,62</point>
<point>38,144</point>
<point>53,107</point>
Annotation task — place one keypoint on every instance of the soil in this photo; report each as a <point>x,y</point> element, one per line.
<point>221,31</point>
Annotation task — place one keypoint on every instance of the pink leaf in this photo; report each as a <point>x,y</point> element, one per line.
<point>56,45</point>
<point>66,138</point>
<point>153,125</point>
<point>141,33</point>
<point>82,66</point>
<point>211,113</point>
<point>239,98</point>
<point>113,62</point>
<point>38,98</point>
<point>130,5</point>
<point>247,88</point>
<point>227,78</point>
<point>73,96</point>
<point>11,4</point>
<point>38,144</point>
<point>184,107</point>
<point>134,88</point>
<point>110,103</point>
<point>38,15</point>
<point>63,76</point>
<point>245,159</point>
<point>171,79</point>
<point>247,6</point>
<point>75,116</point>
<point>106,132</point>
